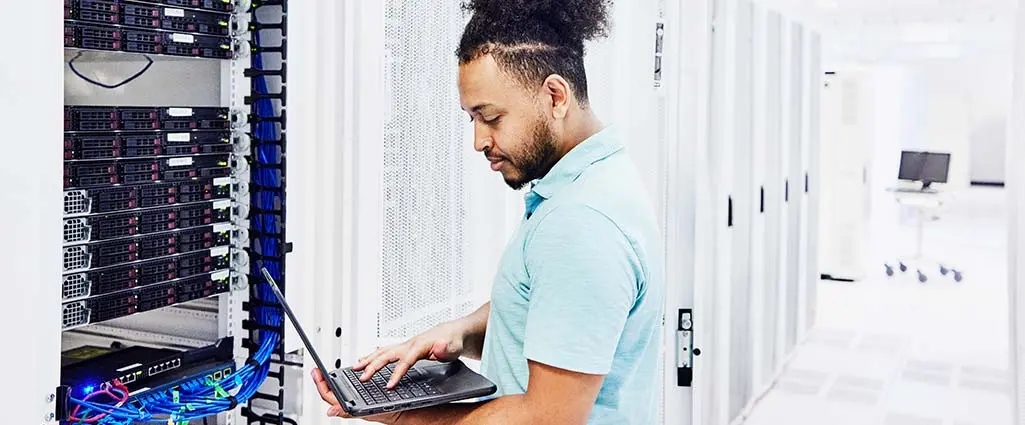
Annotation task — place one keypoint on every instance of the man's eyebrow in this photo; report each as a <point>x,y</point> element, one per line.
<point>479,107</point>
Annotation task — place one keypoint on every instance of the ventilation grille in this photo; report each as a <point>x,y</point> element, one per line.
<point>75,314</point>
<point>76,202</point>
<point>424,238</point>
<point>75,286</point>
<point>76,257</point>
<point>76,230</point>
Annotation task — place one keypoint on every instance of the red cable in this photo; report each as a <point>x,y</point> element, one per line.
<point>104,390</point>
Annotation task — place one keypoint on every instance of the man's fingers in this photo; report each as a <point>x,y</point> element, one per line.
<point>401,368</point>
<point>363,362</point>
<point>325,391</point>
<point>336,411</point>
<point>376,365</point>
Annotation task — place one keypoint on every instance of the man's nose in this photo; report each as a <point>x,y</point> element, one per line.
<point>481,141</point>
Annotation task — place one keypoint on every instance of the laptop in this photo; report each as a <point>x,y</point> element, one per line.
<point>428,383</point>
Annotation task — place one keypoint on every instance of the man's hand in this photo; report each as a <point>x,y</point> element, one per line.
<point>336,407</point>
<point>442,343</point>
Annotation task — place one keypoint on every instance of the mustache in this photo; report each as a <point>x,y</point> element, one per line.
<point>493,158</point>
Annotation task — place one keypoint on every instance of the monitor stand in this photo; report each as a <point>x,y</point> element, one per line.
<point>925,186</point>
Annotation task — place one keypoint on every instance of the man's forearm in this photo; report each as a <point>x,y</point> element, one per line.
<point>475,325</point>
<point>506,410</point>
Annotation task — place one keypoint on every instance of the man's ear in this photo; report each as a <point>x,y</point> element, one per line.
<point>556,90</point>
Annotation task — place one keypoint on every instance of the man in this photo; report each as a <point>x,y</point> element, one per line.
<point>573,330</point>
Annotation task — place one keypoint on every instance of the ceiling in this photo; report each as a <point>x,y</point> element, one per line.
<point>907,28</point>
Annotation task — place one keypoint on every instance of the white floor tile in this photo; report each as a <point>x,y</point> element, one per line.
<point>893,351</point>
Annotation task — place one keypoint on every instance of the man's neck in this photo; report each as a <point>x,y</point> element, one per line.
<point>579,130</point>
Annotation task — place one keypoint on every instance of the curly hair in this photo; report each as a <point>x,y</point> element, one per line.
<point>532,39</point>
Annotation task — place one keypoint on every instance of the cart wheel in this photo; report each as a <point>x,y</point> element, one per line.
<point>922,277</point>
<point>889,269</point>
<point>903,267</point>
<point>944,270</point>
<point>957,276</point>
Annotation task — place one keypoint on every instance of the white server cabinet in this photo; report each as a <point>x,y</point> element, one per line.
<point>30,112</point>
<point>845,198</point>
<point>783,158</point>
<point>792,145</point>
<point>759,140</point>
<point>690,231</point>
<point>773,105</point>
<point>741,212</point>
<point>813,192</point>
<point>720,159</point>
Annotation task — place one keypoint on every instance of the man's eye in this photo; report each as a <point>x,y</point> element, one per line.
<point>492,120</point>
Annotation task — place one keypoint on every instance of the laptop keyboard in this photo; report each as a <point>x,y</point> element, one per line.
<point>374,391</point>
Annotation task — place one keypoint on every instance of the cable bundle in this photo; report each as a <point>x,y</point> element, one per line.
<point>201,399</point>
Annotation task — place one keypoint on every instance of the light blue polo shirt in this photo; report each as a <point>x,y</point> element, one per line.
<point>580,286</point>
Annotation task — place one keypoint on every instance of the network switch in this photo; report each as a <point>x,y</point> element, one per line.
<point>119,278</point>
<point>113,119</point>
<point>144,247</point>
<point>139,367</point>
<point>134,300</point>
<point>205,374</point>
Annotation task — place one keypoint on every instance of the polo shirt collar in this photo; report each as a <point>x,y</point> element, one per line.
<point>599,146</point>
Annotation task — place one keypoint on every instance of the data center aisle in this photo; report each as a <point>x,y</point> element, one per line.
<point>897,352</point>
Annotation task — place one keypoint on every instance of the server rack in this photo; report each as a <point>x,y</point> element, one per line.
<point>171,205</point>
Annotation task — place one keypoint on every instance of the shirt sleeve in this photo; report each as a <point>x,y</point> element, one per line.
<point>584,278</point>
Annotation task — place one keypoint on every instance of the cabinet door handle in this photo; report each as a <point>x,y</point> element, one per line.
<point>729,211</point>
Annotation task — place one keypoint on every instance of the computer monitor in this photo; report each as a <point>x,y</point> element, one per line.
<point>925,167</point>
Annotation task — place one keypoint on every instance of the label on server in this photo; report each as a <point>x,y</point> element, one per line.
<point>178,162</point>
<point>179,112</point>
<point>222,181</point>
<point>219,251</point>
<point>222,227</point>
<point>178,137</point>
<point>222,204</point>
<point>221,275</point>
<point>178,13</point>
<point>183,38</point>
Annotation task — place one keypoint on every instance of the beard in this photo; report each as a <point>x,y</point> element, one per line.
<point>536,158</point>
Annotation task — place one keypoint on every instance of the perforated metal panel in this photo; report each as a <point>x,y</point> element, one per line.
<point>76,257</point>
<point>76,202</point>
<point>75,314</point>
<point>75,286</point>
<point>424,237</point>
<point>76,230</point>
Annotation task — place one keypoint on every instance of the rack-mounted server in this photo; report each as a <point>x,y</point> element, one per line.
<point>144,247</point>
<point>170,118</point>
<point>148,15</point>
<point>114,37</point>
<point>148,170</point>
<point>134,145</point>
<point>118,225</point>
<point>124,198</point>
<point>114,279</point>
<point>127,302</point>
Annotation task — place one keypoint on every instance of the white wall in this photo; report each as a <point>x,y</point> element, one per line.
<point>950,105</point>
